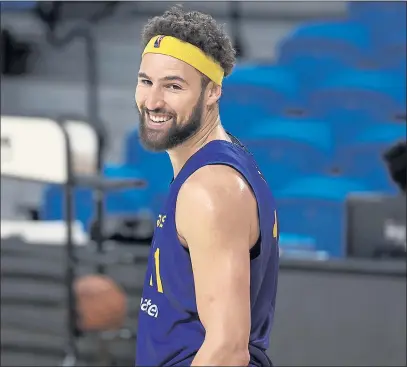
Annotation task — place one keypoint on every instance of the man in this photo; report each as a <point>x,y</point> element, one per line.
<point>396,161</point>
<point>210,289</point>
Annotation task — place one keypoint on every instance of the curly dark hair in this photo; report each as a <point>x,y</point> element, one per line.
<point>197,28</point>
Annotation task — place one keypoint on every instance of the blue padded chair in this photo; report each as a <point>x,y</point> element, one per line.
<point>316,50</point>
<point>300,247</point>
<point>124,202</point>
<point>253,92</point>
<point>386,23</point>
<point>315,207</point>
<point>392,41</point>
<point>398,66</point>
<point>149,163</point>
<point>359,95</point>
<point>390,54</point>
<point>390,48</point>
<point>380,14</point>
<point>362,157</point>
<point>285,149</point>
<point>155,167</point>
<point>348,131</point>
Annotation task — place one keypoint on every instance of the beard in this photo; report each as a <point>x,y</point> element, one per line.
<point>175,134</point>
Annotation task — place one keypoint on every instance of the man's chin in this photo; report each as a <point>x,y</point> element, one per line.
<point>153,141</point>
<point>154,145</point>
<point>161,141</point>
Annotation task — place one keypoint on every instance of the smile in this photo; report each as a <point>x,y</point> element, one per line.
<point>157,121</point>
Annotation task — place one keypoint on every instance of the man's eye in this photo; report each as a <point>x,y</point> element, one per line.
<point>174,86</point>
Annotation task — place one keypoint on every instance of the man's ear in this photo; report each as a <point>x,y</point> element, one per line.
<point>214,92</point>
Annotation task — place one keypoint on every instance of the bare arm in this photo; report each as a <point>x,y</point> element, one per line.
<point>214,217</point>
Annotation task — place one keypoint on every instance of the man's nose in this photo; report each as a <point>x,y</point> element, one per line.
<point>154,99</point>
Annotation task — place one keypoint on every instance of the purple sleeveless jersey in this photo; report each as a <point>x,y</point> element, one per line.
<point>169,330</point>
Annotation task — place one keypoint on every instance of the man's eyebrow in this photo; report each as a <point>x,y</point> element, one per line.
<point>174,78</point>
<point>143,75</point>
<point>166,78</point>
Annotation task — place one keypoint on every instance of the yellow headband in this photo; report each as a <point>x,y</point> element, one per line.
<point>192,55</point>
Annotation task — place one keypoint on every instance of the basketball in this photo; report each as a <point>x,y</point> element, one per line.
<point>101,303</point>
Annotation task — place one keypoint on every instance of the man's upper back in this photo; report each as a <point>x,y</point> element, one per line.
<point>171,329</point>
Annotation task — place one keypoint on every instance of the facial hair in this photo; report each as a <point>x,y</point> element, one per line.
<point>175,135</point>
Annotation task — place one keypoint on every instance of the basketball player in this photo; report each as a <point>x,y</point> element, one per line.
<point>210,289</point>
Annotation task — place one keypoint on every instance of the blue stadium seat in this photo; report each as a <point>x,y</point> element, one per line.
<point>342,31</point>
<point>155,167</point>
<point>395,37</point>
<point>391,54</point>
<point>123,202</point>
<point>390,45</point>
<point>315,207</point>
<point>350,130</point>
<point>378,13</point>
<point>361,157</point>
<point>384,133</point>
<point>287,148</point>
<point>317,50</point>
<point>360,95</point>
<point>391,63</point>
<point>253,92</point>
<point>299,247</point>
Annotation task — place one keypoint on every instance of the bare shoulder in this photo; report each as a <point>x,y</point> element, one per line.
<point>215,180</point>
<point>216,196</point>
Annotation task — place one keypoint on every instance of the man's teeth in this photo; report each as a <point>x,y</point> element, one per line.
<point>159,119</point>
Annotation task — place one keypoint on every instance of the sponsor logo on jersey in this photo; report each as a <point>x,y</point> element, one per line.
<point>147,306</point>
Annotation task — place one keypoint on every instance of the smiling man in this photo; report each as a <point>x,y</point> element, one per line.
<point>210,289</point>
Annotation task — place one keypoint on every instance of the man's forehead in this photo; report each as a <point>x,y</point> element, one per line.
<point>159,66</point>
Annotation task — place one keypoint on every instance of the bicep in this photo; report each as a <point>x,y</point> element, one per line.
<point>222,286</point>
<point>218,238</point>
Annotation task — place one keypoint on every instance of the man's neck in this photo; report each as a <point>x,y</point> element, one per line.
<point>212,130</point>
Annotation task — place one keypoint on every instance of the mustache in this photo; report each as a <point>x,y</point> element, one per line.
<point>157,110</point>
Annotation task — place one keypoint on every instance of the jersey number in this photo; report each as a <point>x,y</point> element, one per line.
<point>275,226</point>
<point>157,272</point>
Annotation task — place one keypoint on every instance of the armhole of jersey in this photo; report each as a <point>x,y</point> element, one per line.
<point>256,249</point>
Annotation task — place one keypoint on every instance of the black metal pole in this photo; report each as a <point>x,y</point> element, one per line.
<point>71,352</point>
<point>93,114</point>
<point>84,32</point>
<point>235,18</point>
<point>71,348</point>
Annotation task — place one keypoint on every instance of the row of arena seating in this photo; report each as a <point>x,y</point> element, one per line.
<point>372,36</point>
<point>317,121</point>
